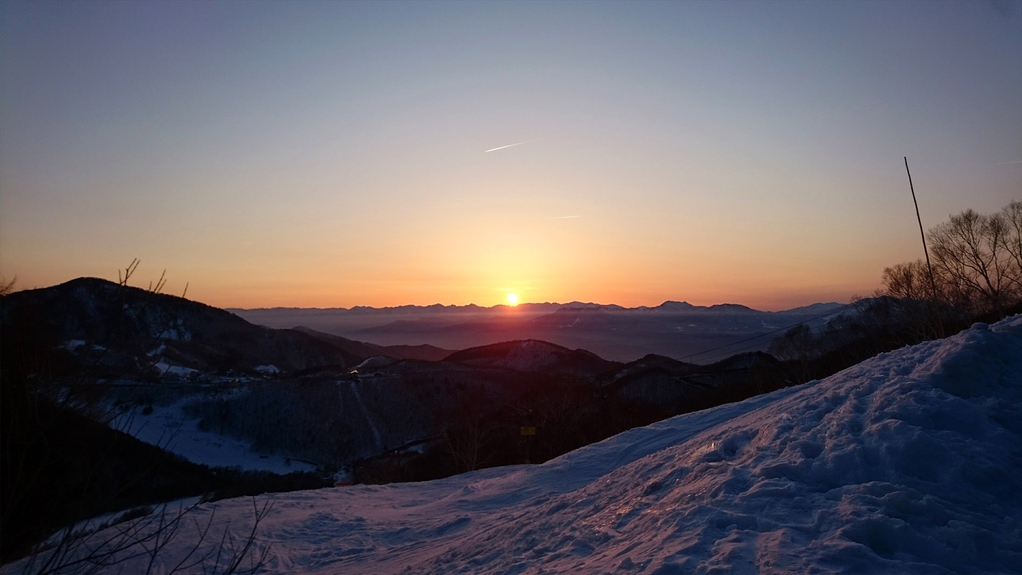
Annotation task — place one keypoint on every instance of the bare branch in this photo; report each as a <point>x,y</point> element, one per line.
<point>7,287</point>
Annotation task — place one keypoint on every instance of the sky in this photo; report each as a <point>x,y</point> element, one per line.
<point>335,154</point>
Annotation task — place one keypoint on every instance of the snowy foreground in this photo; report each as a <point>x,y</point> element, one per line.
<point>909,462</point>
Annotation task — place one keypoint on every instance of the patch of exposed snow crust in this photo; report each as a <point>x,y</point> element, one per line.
<point>174,370</point>
<point>910,462</point>
<point>73,344</point>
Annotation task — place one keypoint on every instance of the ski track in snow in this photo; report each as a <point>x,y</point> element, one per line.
<point>377,441</point>
<point>906,463</point>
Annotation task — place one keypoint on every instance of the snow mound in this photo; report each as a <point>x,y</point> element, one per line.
<point>910,462</point>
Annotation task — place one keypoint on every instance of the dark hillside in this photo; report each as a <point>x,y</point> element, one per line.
<point>63,467</point>
<point>138,328</point>
<point>59,466</point>
<point>534,356</point>
<point>679,387</point>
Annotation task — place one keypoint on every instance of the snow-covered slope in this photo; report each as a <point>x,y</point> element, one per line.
<point>169,428</point>
<point>910,462</point>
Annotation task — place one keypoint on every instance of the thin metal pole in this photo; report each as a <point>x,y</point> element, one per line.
<point>929,268</point>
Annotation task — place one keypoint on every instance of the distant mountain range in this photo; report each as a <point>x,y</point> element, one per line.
<point>674,329</point>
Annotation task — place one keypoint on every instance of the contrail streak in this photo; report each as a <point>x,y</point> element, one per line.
<point>508,146</point>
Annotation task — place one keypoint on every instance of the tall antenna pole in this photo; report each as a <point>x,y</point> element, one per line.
<point>929,268</point>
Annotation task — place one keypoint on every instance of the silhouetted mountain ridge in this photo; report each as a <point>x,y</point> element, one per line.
<point>134,329</point>
<point>534,356</point>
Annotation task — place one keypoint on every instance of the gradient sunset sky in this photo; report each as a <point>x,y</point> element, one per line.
<point>341,154</point>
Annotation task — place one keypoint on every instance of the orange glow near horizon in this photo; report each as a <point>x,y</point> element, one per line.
<point>613,272</point>
<point>757,293</point>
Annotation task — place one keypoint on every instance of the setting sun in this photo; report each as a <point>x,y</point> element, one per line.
<point>512,299</point>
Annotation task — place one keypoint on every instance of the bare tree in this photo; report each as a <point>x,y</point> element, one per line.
<point>970,251</point>
<point>977,264</point>
<point>906,280</point>
<point>7,287</point>
<point>466,443</point>
<point>138,539</point>
<point>1012,240</point>
<point>797,345</point>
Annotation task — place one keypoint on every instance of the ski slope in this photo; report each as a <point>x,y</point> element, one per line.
<point>910,462</point>
<point>169,428</point>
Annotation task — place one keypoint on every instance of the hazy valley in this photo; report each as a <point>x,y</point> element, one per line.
<point>690,333</point>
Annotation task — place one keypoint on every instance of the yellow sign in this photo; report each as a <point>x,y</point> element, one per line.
<point>528,430</point>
